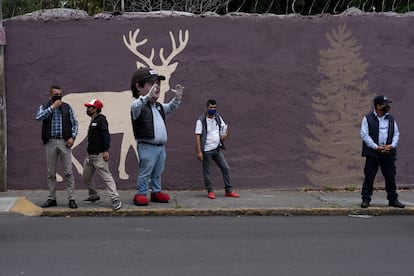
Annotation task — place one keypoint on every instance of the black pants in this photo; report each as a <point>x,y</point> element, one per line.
<point>387,164</point>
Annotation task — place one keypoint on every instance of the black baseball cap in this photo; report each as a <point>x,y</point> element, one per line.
<point>381,100</point>
<point>145,74</point>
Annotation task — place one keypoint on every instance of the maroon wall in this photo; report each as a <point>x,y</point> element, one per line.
<point>264,72</point>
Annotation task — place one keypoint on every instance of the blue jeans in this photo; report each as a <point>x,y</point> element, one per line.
<point>218,157</point>
<point>151,165</point>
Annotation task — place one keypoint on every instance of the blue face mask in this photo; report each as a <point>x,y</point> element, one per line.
<point>211,112</point>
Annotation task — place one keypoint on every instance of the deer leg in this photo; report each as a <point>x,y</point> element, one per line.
<point>122,160</point>
<point>125,145</point>
<point>77,165</point>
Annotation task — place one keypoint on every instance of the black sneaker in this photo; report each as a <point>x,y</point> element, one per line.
<point>49,203</point>
<point>365,204</point>
<point>92,199</point>
<point>116,204</point>
<point>396,204</point>
<point>72,204</point>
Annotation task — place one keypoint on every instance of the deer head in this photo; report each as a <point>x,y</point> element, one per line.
<point>166,68</point>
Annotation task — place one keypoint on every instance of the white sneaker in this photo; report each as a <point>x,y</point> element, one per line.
<point>116,204</point>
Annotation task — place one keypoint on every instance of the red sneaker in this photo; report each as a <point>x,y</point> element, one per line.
<point>140,200</point>
<point>160,197</point>
<point>211,195</point>
<point>232,194</point>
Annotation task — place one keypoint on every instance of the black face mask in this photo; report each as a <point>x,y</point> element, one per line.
<point>56,97</point>
<point>386,109</point>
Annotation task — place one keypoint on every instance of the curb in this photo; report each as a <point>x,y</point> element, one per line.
<point>27,208</point>
<point>108,212</point>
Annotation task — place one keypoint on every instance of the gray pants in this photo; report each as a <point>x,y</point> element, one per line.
<point>218,157</point>
<point>56,150</point>
<point>96,163</point>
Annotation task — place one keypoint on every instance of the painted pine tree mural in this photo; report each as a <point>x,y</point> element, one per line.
<point>342,100</point>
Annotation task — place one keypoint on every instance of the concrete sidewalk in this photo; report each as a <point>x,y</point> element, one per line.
<point>196,203</point>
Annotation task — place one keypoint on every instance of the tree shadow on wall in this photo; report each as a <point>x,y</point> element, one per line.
<point>339,106</point>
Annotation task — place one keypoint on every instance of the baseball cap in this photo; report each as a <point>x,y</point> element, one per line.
<point>145,74</point>
<point>95,103</point>
<point>381,100</point>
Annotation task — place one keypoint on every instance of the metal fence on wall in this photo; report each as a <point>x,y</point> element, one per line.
<point>303,7</point>
<point>222,7</point>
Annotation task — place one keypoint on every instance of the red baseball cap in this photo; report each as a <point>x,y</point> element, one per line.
<point>95,103</point>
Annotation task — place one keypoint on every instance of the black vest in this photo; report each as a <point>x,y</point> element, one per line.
<point>66,123</point>
<point>143,126</point>
<point>373,130</point>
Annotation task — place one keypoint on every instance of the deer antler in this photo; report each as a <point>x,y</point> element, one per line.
<point>132,45</point>
<point>175,51</point>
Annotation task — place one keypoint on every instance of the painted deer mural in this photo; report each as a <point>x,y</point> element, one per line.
<point>117,104</point>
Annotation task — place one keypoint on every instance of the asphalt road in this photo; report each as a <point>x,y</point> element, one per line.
<point>206,245</point>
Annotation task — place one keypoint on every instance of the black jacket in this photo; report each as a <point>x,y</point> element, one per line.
<point>98,135</point>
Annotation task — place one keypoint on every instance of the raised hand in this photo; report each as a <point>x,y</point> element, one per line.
<point>178,91</point>
<point>154,92</point>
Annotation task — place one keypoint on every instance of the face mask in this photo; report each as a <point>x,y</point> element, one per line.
<point>386,109</point>
<point>211,112</point>
<point>56,97</point>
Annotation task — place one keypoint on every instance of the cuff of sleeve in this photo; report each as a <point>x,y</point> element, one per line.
<point>144,99</point>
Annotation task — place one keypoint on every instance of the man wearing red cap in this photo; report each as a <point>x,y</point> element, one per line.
<point>98,156</point>
<point>380,135</point>
<point>150,131</point>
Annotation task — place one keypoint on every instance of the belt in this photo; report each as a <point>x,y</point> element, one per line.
<point>56,137</point>
<point>157,145</point>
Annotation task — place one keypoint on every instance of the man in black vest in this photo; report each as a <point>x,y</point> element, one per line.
<point>59,130</point>
<point>380,135</point>
<point>150,131</point>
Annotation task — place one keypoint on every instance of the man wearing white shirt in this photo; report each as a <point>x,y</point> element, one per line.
<point>380,135</point>
<point>210,132</point>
